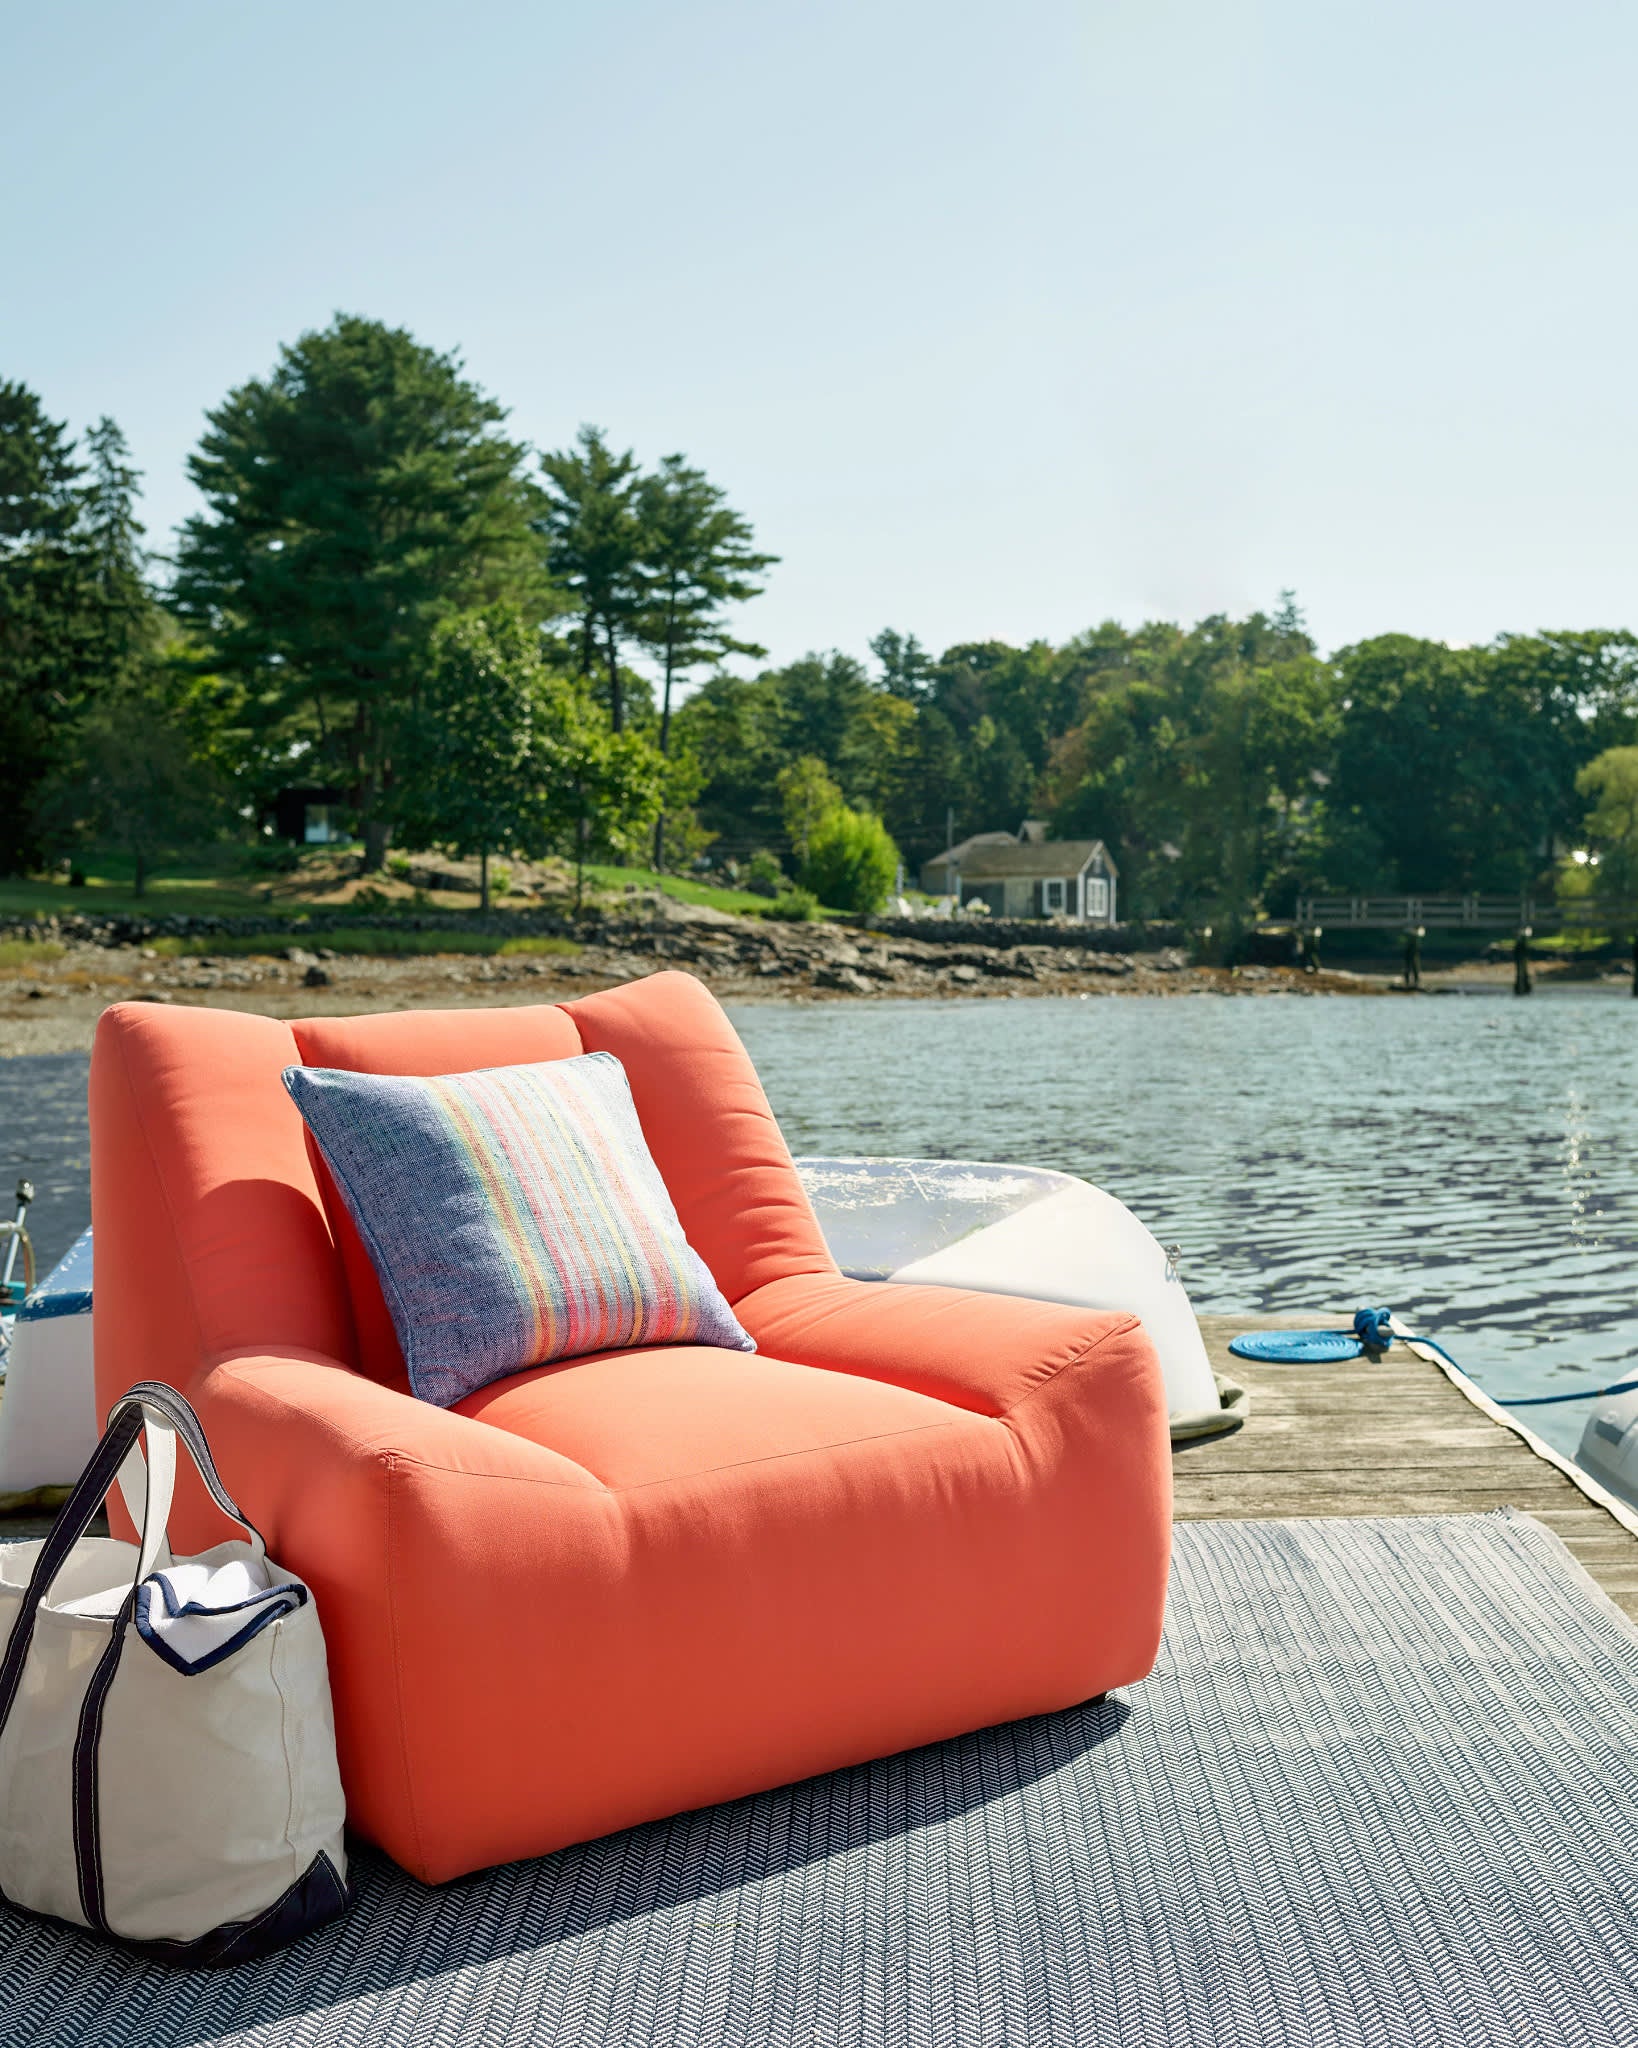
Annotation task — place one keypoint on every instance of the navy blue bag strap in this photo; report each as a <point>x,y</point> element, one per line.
<point>90,1491</point>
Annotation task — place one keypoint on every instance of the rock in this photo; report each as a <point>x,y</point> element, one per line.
<point>298,956</point>
<point>1172,960</point>
<point>1106,963</point>
<point>847,978</point>
<point>842,954</point>
<point>315,977</point>
<point>965,973</point>
<point>770,967</point>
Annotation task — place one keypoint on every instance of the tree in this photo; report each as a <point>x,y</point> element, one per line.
<point>907,668</point>
<point>697,557</point>
<point>133,781</point>
<point>470,777</point>
<point>75,611</point>
<point>355,496</point>
<point>594,540</point>
<point>507,756</point>
<point>851,862</point>
<point>1611,780</point>
<point>807,797</point>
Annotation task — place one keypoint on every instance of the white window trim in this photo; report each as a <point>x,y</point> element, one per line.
<point>1095,897</point>
<point>1047,904</point>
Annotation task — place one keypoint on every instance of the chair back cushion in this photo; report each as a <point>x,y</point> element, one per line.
<point>703,1114</point>
<point>513,1217</point>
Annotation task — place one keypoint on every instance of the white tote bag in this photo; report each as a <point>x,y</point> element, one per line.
<point>167,1751</point>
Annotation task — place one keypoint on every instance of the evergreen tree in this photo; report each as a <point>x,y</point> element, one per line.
<point>594,540</point>
<point>697,558</point>
<point>76,617</point>
<point>356,496</point>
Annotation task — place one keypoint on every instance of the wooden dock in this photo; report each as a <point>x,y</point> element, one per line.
<point>1391,1438</point>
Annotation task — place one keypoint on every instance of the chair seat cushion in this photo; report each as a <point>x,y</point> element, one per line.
<point>513,1216</point>
<point>636,1418</point>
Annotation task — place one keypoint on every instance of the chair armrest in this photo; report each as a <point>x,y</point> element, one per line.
<point>989,1353</point>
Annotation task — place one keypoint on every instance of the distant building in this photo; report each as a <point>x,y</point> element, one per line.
<point>1025,874</point>
<point>310,817</point>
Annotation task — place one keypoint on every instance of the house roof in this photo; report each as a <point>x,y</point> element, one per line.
<point>1045,859</point>
<point>960,853</point>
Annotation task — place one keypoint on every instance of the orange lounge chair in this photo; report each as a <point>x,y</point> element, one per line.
<point>621,1586</point>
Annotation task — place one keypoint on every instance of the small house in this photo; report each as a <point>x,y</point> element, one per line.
<point>1026,874</point>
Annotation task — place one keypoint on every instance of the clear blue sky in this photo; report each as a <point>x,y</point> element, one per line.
<point>996,319</point>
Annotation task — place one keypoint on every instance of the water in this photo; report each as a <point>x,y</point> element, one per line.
<point>44,1135</point>
<point>1471,1161</point>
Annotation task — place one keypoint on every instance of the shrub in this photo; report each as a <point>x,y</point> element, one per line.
<point>274,857</point>
<point>795,906</point>
<point>762,874</point>
<point>851,861</point>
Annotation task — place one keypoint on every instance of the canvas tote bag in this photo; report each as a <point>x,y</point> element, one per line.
<point>167,1751</point>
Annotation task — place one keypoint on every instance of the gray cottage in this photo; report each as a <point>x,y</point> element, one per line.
<point>1025,874</point>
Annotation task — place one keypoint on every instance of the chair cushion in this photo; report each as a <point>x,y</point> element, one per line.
<point>513,1216</point>
<point>637,1418</point>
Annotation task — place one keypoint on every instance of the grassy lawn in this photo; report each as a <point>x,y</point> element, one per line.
<point>228,887</point>
<point>606,880</point>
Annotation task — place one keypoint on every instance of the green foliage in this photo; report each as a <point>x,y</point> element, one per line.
<point>696,557</point>
<point>851,861</point>
<point>129,779</point>
<point>16,954</point>
<point>76,616</point>
<point>355,497</point>
<point>1611,781</point>
<point>762,873</point>
<point>594,537</point>
<point>504,754</point>
<point>794,906</point>
<point>807,797</point>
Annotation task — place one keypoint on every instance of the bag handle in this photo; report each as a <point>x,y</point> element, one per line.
<point>167,1416</point>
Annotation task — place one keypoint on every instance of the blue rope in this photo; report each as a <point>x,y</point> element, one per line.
<point>1373,1328</point>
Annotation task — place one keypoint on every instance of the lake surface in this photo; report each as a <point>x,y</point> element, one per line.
<point>1470,1161</point>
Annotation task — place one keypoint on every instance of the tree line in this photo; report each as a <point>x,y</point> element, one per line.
<point>494,650</point>
<point>1229,766</point>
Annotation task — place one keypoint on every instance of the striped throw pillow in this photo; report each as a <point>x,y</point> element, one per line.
<point>513,1216</point>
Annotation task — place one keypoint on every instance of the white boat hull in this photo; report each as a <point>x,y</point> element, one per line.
<point>926,1222</point>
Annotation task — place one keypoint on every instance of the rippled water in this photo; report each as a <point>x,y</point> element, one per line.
<point>1471,1161</point>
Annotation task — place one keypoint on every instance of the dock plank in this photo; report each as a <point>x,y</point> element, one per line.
<point>1394,1438</point>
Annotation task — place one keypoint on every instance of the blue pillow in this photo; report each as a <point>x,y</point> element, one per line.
<point>513,1216</point>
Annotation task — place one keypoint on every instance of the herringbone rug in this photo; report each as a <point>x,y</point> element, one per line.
<point>1382,1789</point>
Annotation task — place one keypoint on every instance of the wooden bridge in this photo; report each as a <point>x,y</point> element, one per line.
<point>1475,913</point>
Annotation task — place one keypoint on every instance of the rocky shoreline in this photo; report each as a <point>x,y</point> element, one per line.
<point>52,1005</point>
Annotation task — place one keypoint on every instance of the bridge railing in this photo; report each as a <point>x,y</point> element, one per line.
<point>1460,913</point>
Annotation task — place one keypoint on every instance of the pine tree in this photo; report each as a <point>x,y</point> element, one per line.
<point>698,557</point>
<point>356,496</point>
<point>76,616</point>
<point>594,541</point>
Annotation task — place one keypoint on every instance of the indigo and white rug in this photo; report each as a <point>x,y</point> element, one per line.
<point>1382,1789</point>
